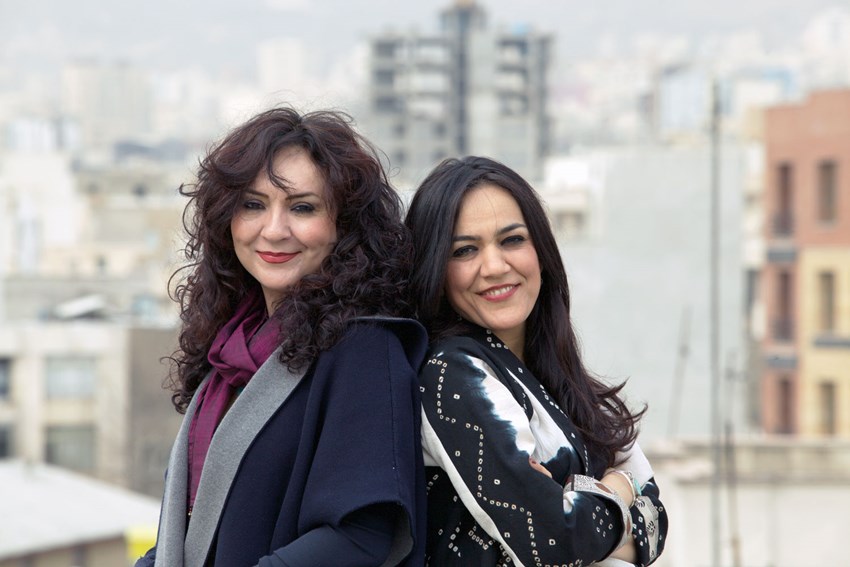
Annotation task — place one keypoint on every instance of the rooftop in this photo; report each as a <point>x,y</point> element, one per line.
<point>46,507</point>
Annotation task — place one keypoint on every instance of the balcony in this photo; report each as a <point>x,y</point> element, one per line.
<point>781,361</point>
<point>827,340</point>
<point>779,253</point>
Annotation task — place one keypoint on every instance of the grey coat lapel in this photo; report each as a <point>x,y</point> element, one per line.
<point>172,521</point>
<point>269,388</point>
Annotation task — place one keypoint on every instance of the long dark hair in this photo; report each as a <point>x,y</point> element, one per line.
<point>551,347</point>
<point>365,274</point>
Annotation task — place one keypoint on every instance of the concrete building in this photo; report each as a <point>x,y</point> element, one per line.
<point>639,281</point>
<point>131,230</point>
<point>84,315</point>
<point>806,382</point>
<point>782,502</point>
<point>109,101</point>
<point>469,89</point>
<point>87,395</point>
<point>69,229</point>
<point>55,518</point>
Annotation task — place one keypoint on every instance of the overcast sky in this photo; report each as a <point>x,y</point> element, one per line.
<point>222,34</point>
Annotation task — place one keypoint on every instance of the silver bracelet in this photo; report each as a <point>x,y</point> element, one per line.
<point>632,484</point>
<point>582,483</point>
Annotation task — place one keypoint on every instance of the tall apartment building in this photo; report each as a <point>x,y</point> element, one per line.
<point>469,89</point>
<point>806,281</point>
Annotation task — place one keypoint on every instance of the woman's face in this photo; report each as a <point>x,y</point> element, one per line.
<point>282,235</point>
<point>493,275</point>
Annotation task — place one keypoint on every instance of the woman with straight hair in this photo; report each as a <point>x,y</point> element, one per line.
<point>530,460</point>
<point>296,367</point>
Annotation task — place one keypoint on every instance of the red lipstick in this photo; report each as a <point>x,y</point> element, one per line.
<point>505,291</point>
<point>276,257</point>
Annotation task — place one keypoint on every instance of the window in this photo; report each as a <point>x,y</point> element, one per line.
<point>828,408</point>
<point>5,378</point>
<point>751,289</point>
<point>385,49</point>
<point>71,377</point>
<point>827,194</point>
<point>71,446</point>
<point>783,221</point>
<point>785,401</point>
<point>7,448</point>
<point>80,556</point>
<point>387,104</point>
<point>384,77</point>
<point>783,326</point>
<point>826,290</point>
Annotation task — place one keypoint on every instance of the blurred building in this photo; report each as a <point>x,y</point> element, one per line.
<point>682,99</point>
<point>765,487</point>
<point>130,230</point>
<point>86,394</point>
<point>109,102</point>
<point>85,317</point>
<point>52,517</point>
<point>824,49</point>
<point>806,284</point>
<point>638,269</point>
<point>469,89</point>
<point>71,229</point>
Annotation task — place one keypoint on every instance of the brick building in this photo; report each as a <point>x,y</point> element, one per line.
<point>806,280</point>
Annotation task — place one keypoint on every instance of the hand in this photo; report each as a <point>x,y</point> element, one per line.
<point>538,467</point>
<point>626,552</point>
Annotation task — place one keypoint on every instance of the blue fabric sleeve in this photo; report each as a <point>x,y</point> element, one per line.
<point>363,538</point>
<point>148,559</point>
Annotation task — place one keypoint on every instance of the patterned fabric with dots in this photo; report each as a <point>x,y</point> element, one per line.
<point>484,415</point>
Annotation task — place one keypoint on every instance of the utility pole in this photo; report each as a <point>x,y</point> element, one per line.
<point>731,463</point>
<point>714,309</point>
<point>682,353</point>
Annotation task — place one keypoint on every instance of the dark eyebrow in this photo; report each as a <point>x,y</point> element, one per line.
<point>501,231</point>
<point>289,196</point>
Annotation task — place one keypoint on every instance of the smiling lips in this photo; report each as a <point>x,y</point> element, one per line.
<point>277,257</point>
<point>499,293</point>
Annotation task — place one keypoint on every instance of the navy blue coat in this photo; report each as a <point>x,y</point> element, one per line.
<point>296,452</point>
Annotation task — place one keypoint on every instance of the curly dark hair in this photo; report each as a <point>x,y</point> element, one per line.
<point>551,349</point>
<point>365,274</point>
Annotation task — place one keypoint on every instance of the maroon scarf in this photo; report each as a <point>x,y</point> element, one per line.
<point>239,349</point>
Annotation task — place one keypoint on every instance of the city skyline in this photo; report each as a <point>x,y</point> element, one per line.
<point>220,36</point>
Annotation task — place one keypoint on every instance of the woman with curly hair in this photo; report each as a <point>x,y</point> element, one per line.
<point>296,367</point>
<point>530,459</point>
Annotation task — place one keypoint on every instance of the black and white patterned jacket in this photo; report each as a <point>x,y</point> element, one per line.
<point>484,415</point>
